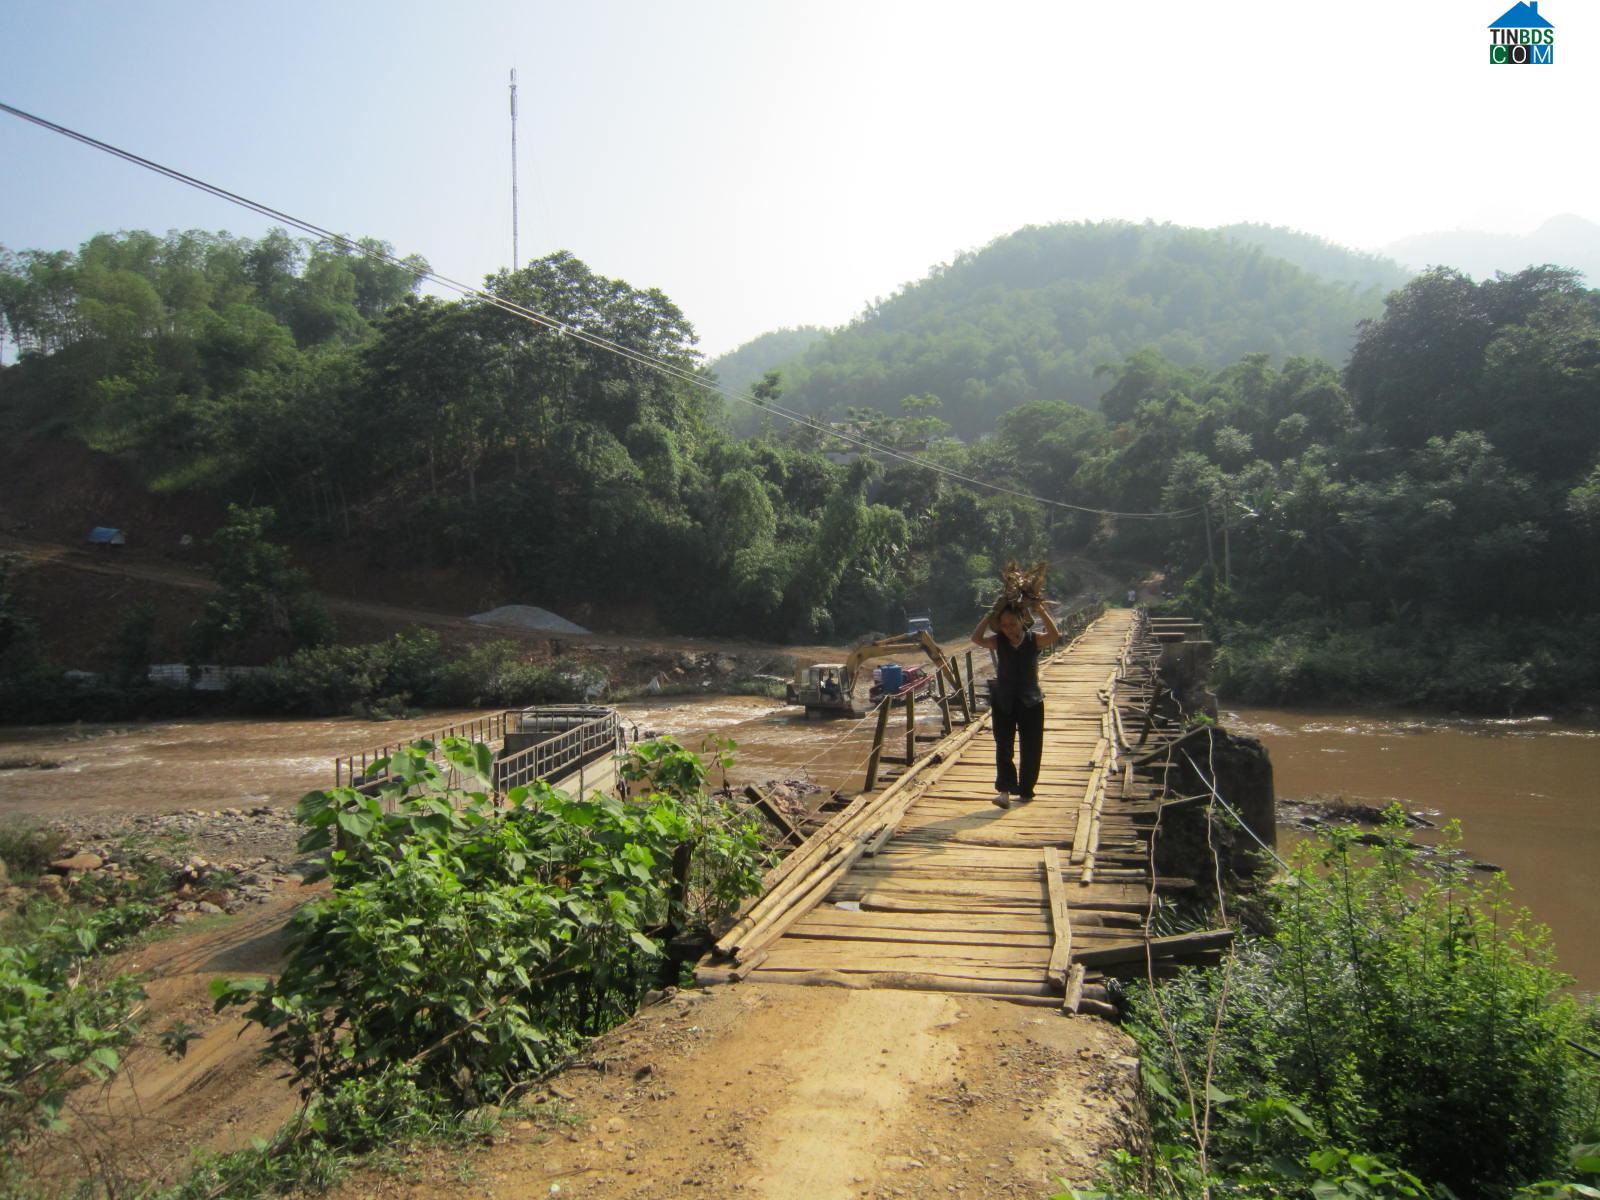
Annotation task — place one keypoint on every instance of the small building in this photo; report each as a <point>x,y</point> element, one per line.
<point>104,535</point>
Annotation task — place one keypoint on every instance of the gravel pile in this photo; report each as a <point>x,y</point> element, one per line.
<point>527,618</point>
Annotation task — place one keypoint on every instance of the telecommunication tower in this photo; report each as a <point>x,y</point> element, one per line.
<point>515,259</point>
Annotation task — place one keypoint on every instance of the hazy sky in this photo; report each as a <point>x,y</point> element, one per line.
<point>772,164</point>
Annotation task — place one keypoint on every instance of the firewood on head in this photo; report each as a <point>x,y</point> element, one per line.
<point>1020,589</point>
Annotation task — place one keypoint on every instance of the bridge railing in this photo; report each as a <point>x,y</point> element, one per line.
<point>558,754</point>
<point>358,770</point>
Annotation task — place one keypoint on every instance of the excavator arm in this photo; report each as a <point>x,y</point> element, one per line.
<point>908,643</point>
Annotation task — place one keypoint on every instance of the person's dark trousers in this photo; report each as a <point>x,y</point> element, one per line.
<point>1025,725</point>
<point>1004,723</point>
<point>1030,733</point>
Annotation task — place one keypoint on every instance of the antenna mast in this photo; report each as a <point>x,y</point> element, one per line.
<point>515,258</point>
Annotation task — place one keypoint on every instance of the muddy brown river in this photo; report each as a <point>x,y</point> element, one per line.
<point>174,765</point>
<point>1527,791</point>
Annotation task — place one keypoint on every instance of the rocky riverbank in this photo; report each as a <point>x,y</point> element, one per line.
<point>202,862</point>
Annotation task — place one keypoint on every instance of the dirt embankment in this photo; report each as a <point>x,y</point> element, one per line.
<point>57,490</point>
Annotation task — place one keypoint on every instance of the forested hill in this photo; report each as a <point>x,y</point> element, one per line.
<point>739,370</point>
<point>1036,314</point>
<point>1329,260</point>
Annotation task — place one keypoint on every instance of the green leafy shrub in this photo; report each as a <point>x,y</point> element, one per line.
<point>1402,1022</point>
<point>381,678</point>
<point>58,1023</point>
<point>1489,669</point>
<point>472,943</point>
<point>494,674</point>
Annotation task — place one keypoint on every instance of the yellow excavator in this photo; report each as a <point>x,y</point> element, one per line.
<point>829,688</point>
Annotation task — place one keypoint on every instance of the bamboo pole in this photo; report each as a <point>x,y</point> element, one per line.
<point>1060,921</point>
<point>911,727</point>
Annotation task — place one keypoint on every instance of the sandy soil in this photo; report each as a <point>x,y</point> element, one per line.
<point>808,1093</point>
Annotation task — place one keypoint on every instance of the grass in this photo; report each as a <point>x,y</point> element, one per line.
<point>27,848</point>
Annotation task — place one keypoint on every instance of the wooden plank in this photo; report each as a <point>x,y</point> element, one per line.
<point>863,933</point>
<point>1106,895</point>
<point>1060,922</point>
<point>907,956</point>
<point>826,914</point>
<point>1181,945</point>
<point>1072,994</point>
<point>910,981</point>
<point>781,819</point>
<point>1080,834</point>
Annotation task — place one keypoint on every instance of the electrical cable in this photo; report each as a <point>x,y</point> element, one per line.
<point>566,329</point>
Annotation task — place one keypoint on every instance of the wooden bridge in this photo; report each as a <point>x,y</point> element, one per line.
<point>926,884</point>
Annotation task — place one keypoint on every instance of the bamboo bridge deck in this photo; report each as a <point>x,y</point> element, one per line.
<point>929,885</point>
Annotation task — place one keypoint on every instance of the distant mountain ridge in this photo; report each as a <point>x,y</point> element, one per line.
<point>1330,260</point>
<point>1039,313</point>
<point>1566,241</point>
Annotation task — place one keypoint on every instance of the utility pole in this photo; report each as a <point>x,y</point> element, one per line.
<point>515,256</point>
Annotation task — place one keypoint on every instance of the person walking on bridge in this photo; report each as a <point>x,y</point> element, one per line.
<point>1016,704</point>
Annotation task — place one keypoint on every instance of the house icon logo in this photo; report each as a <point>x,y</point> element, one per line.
<point>1522,36</point>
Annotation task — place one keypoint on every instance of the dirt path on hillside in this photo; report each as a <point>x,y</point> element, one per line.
<point>808,1093</point>
<point>120,562</point>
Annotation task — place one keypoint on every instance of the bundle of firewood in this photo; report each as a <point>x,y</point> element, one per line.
<point>1020,589</point>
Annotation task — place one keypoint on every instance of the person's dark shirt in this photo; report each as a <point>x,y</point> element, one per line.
<point>1017,673</point>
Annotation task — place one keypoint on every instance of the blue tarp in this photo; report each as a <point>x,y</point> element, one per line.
<point>101,535</point>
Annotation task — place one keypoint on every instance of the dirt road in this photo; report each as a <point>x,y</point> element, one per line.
<point>804,1093</point>
<point>125,563</point>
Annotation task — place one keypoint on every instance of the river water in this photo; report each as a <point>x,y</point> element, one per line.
<point>1526,791</point>
<point>169,766</point>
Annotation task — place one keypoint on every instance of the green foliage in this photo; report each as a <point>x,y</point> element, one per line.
<point>471,943</point>
<point>264,598</point>
<point>314,1150</point>
<point>744,369</point>
<point>27,848</point>
<point>1035,314</point>
<point>1400,1032</point>
<point>133,647</point>
<point>1444,482</point>
<point>60,1023</point>
<point>384,678</point>
<point>726,855</point>
<point>1491,668</point>
<point>496,674</point>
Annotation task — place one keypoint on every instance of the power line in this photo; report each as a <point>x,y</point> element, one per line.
<point>561,327</point>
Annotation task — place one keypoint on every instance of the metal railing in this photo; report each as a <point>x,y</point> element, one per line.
<point>588,738</point>
<point>357,770</point>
